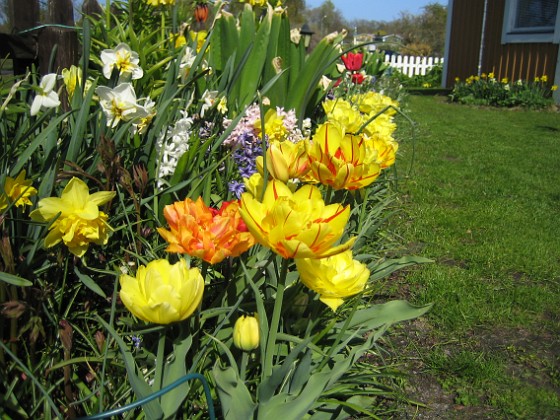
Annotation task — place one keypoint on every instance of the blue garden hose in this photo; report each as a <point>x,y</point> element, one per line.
<point>188,377</point>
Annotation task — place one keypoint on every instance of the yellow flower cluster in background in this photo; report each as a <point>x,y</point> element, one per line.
<point>160,2</point>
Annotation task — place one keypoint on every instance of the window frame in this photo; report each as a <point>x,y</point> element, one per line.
<point>511,35</point>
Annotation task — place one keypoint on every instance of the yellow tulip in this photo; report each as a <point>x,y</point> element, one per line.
<point>342,161</point>
<point>246,333</point>
<point>333,278</point>
<point>254,184</point>
<point>383,125</point>
<point>162,293</point>
<point>295,224</point>
<point>79,220</point>
<point>72,77</point>
<point>285,160</point>
<point>386,148</point>
<point>370,103</point>
<point>273,126</point>
<point>341,112</point>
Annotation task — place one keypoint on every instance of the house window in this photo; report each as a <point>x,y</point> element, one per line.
<point>531,21</point>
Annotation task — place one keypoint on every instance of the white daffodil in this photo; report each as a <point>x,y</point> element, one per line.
<point>46,97</point>
<point>209,99</point>
<point>149,107</point>
<point>187,61</point>
<point>124,59</point>
<point>120,104</point>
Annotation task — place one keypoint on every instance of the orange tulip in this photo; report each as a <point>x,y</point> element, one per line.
<point>206,233</point>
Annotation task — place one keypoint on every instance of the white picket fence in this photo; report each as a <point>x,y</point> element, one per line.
<point>411,65</point>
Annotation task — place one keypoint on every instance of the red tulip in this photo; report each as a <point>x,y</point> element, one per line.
<point>358,78</point>
<point>353,61</point>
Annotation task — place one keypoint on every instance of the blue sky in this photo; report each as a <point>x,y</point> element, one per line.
<point>386,10</point>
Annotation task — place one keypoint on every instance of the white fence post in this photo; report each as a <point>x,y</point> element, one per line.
<point>412,65</point>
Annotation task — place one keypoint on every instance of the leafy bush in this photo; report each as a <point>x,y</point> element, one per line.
<point>486,90</point>
<point>432,78</point>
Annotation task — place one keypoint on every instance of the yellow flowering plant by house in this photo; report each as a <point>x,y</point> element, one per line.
<point>196,242</point>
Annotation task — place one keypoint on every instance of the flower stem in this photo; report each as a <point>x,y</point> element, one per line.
<point>275,321</point>
<point>160,361</point>
<point>243,368</point>
<point>328,195</point>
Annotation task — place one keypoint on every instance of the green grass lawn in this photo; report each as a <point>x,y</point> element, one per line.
<point>483,201</point>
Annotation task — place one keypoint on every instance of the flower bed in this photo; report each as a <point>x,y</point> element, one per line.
<point>191,222</point>
<point>486,90</point>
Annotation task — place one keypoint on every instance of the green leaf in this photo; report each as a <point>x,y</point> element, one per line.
<point>14,280</point>
<point>387,267</point>
<point>172,400</point>
<point>78,130</point>
<point>235,398</point>
<point>141,388</point>
<point>90,283</point>
<point>385,314</point>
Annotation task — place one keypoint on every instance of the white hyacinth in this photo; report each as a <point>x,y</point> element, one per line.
<point>171,145</point>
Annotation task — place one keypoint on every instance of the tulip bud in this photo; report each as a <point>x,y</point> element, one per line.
<point>201,12</point>
<point>246,333</point>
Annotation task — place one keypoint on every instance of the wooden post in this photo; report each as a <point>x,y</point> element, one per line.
<point>63,40</point>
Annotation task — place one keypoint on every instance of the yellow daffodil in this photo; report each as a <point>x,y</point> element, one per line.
<point>222,105</point>
<point>160,2</point>
<point>333,278</point>
<point>18,191</point>
<point>342,161</point>
<point>285,160</point>
<point>295,224</point>
<point>78,218</point>
<point>161,292</point>
<point>246,333</point>
<point>199,38</point>
<point>254,2</point>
